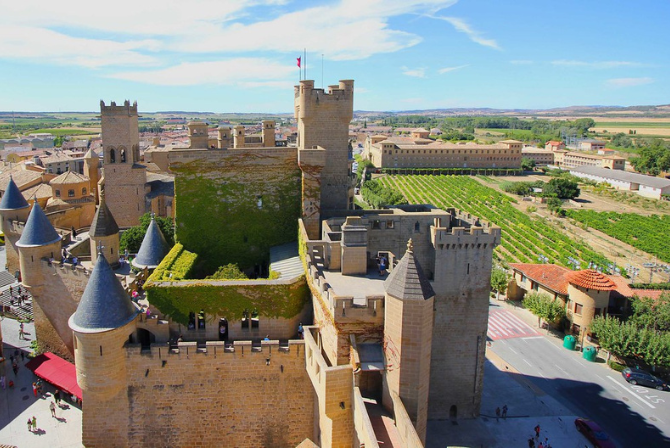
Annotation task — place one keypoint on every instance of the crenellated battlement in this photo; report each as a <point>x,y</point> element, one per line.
<point>113,109</point>
<point>339,99</point>
<point>184,350</point>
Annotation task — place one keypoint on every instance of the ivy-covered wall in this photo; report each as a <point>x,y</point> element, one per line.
<point>233,205</point>
<point>271,299</point>
<point>177,265</point>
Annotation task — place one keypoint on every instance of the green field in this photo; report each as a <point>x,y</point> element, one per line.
<point>524,238</point>
<point>631,124</point>
<point>647,233</point>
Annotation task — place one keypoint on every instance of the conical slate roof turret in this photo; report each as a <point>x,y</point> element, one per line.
<point>13,199</point>
<point>153,249</point>
<point>407,280</point>
<point>104,305</point>
<point>38,230</point>
<point>103,223</point>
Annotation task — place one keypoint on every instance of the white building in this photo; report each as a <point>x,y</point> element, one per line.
<point>647,186</point>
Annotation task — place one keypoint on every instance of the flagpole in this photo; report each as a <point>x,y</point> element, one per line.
<point>305,61</point>
<point>322,70</point>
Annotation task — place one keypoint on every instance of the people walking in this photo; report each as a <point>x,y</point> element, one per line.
<point>30,424</point>
<point>57,397</point>
<point>52,407</point>
<point>537,431</point>
<point>504,411</point>
<point>35,390</point>
<point>34,424</point>
<point>497,414</point>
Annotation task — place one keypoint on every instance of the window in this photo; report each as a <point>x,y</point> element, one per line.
<point>389,224</point>
<point>191,320</point>
<point>376,224</point>
<point>578,308</point>
<point>201,320</point>
<point>112,156</point>
<point>57,193</point>
<point>83,191</point>
<point>598,312</point>
<point>417,227</point>
<point>70,193</point>
<point>576,329</point>
<point>123,155</point>
<point>254,319</point>
<point>245,320</point>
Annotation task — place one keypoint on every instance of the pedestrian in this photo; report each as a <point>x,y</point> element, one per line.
<point>2,382</point>
<point>537,431</point>
<point>546,442</point>
<point>57,397</point>
<point>35,389</point>
<point>301,331</point>
<point>531,443</point>
<point>504,411</point>
<point>541,445</point>
<point>34,424</point>
<point>267,337</point>
<point>30,424</point>
<point>11,359</point>
<point>20,333</point>
<point>497,414</point>
<point>52,406</point>
<point>11,291</point>
<point>23,356</point>
<point>15,368</point>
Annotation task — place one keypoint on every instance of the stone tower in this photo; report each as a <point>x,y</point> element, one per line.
<point>92,171</point>
<point>224,139</point>
<point>40,242</point>
<point>323,124</point>
<point>124,176</point>
<point>198,134</point>
<point>268,133</point>
<point>102,324</point>
<point>238,136</point>
<point>14,209</point>
<point>408,332</point>
<point>104,232</point>
<point>462,285</point>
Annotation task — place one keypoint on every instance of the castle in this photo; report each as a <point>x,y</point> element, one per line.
<point>348,308</point>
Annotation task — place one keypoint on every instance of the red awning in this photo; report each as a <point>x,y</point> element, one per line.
<point>57,371</point>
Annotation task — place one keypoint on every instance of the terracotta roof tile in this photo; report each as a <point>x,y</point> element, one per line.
<point>591,279</point>
<point>551,276</point>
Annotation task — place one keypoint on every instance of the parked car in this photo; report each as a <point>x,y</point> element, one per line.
<point>639,376</point>
<point>594,433</point>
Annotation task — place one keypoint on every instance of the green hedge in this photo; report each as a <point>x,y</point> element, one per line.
<point>178,264</point>
<point>228,300</point>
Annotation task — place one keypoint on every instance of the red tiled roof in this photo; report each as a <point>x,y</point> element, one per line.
<point>591,279</point>
<point>550,276</point>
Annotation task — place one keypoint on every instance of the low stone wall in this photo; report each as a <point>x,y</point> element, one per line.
<point>404,424</point>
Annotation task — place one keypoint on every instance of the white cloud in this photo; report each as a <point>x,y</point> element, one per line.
<point>596,64</point>
<point>474,35</point>
<point>451,69</point>
<point>40,44</point>
<point>415,72</point>
<point>244,72</point>
<point>628,82</point>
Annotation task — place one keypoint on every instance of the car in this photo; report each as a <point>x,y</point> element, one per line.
<point>594,433</point>
<point>643,378</point>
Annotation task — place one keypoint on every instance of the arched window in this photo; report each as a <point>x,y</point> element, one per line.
<point>123,155</point>
<point>112,156</point>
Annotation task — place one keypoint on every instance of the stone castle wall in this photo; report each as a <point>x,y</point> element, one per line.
<point>219,397</point>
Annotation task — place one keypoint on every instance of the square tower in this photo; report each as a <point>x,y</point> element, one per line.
<point>124,177</point>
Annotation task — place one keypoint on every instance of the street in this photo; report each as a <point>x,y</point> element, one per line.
<point>632,415</point>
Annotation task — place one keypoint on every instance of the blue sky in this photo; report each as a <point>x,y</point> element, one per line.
<point>240,55</point>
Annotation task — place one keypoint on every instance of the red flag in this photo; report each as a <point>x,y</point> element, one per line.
<point>298,62</point>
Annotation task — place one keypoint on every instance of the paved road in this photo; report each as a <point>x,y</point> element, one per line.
<point>632,415</point>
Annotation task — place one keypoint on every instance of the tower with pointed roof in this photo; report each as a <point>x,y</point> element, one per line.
<point>103,321</point>
<point>589,296</point>
<point>104,234</point>
<point>124,176</point>
<point>408,333</point>
<point>153,249</point>
<point>14,209</point>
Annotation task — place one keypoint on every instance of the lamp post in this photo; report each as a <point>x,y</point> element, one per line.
<point>542,259</point>
<point>656,267</point>
<point>632,271</point>
<point>574,263</point>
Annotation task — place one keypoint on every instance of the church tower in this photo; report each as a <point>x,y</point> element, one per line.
<point>102,324</point>
<point>14,209</point>
<point>124,177</point>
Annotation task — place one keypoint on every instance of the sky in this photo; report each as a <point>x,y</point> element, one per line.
<point>240,55</point>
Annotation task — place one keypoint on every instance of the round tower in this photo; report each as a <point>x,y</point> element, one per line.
<point>104,234</point>
<point>103,322</point>
<point>39,240</point>
<point>13,208</point>
<point>153,249</point>
<point>588,295</point>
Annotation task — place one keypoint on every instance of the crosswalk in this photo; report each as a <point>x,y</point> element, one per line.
<point>505,325</point>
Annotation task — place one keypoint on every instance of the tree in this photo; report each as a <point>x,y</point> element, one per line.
<point>131,239</point>
<point>652,314</point>
<point>562,188</point>
<point>228,272</point>
<point>527,164</point>
<point>544,307</point>
<point>499,281</point>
